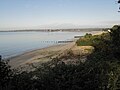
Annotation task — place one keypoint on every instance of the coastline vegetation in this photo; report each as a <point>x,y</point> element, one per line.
<point>101,71</point>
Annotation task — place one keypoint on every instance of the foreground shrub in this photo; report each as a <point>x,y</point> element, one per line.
<point>5,74</point>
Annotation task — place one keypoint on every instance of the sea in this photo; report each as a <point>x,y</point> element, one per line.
<point>16,43</point>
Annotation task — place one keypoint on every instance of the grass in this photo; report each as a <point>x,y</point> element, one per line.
<point>89,39</point>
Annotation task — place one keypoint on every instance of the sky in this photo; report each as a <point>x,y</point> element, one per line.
<point>22,14</point>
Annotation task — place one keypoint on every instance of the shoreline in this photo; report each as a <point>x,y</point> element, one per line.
<point>39,55</point>
<point>28,51</point>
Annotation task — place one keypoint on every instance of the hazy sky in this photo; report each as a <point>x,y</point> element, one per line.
<point>58,13</point>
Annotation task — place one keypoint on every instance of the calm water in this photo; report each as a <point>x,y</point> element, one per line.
<point>15,43</point>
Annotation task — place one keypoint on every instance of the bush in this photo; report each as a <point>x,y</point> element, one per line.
<point>115,39</point>
<point>5,74</point>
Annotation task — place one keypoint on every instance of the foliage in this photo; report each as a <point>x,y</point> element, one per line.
<point>115,39</point>
<point>107,55</point>
<point>85,41</point>
<point>5,74</point>
<point>89,40</point>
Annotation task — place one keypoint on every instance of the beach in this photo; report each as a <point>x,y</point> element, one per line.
<point>39,55</point>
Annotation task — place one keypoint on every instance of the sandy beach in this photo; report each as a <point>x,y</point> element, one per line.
<point>39,55</point>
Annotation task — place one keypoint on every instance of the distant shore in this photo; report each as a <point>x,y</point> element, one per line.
<point>55,30</point>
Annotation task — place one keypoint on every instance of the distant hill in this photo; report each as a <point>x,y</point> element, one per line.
<point>55,30</point>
